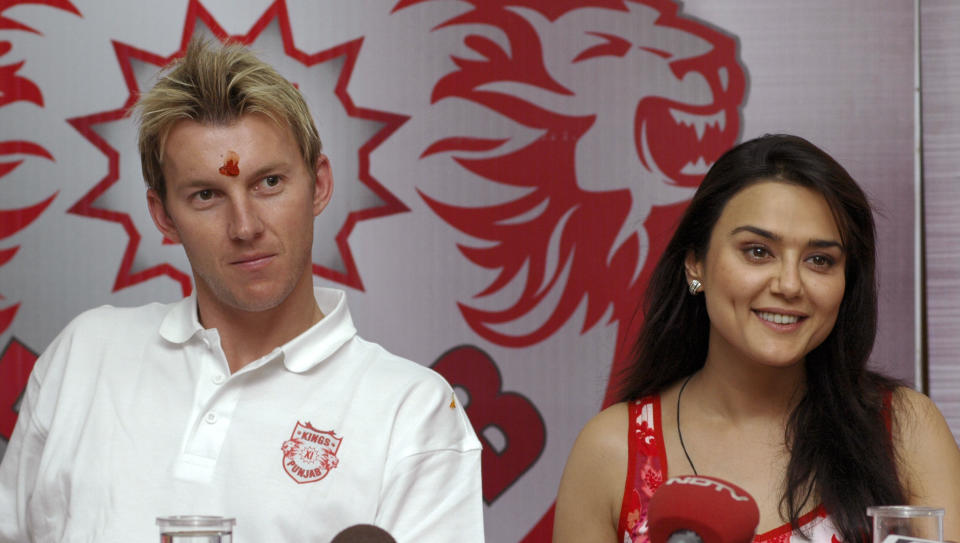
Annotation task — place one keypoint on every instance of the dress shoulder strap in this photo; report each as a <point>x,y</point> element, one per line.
<point>646,468</point>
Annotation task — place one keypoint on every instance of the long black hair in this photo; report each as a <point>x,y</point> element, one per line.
<point>839,442</point>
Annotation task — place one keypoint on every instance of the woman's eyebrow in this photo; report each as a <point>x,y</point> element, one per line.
<point>816,243</point>
<point>758,231</point>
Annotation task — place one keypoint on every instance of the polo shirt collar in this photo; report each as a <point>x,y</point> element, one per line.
<point>181,322</point>
<point>301,353</point>
<point>324,338</point>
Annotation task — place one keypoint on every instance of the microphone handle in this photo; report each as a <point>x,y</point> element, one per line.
<point>684,536</point>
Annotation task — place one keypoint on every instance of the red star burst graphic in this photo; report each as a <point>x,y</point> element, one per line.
<point>16,362</point>
<point>126,54</point>
<point>16,88</point>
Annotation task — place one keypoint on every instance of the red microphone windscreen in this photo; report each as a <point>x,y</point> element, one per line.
<point>363,533</point>
<point>716,510</point>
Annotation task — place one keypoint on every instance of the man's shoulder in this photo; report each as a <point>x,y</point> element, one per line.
<point>106,327</point>
<point>114,319</point>
<point>399,381</point>
<point>398,370</point>
<point>420,400</point>
<point>84,343</point>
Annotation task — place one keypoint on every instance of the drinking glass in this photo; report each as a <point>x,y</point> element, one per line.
<point>907,522</point>
<point>196,529</point>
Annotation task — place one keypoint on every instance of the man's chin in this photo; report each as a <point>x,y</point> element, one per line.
<point>257,307</point>
<point>250,302</point>
<point>258,303</point>
<point>247,297</point>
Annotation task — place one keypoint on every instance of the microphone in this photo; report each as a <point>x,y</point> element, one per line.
<point>699,509</point>
<point>363,533</point>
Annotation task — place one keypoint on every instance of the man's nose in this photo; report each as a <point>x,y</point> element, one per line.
<point>245,223</point>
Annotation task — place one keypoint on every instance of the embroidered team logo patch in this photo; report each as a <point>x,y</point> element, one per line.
<point>310,454</point>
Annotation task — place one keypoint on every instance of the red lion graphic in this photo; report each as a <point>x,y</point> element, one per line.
<point>615,109</point>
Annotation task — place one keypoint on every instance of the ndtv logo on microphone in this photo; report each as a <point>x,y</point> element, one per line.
<point>719,486</point>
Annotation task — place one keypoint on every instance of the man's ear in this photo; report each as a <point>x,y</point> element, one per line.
<point>692,267</point>
<point>323,184</point>
<point>162,220</point>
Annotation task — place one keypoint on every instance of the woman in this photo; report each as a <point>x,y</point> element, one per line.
<point>751,367</point>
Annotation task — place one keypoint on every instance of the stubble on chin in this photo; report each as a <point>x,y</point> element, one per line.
<point>242,298</point>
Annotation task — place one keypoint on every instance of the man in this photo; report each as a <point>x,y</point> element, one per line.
<point>253,398</point>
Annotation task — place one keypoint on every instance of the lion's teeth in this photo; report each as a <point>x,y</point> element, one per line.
<point>699,122</point>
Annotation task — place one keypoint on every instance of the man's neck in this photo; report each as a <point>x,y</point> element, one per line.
<point>246,336</point>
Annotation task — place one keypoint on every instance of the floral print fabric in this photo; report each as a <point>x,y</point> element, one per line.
<point>648,469</point>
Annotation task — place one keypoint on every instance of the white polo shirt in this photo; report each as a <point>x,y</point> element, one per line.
<point>132,413</point>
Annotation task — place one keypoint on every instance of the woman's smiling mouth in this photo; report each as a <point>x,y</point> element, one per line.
<point>778,318</point>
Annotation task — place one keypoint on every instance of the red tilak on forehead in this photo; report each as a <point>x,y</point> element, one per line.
<point>231,164</point>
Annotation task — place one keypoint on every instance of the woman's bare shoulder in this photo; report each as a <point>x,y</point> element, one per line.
<point>916,416</point>
<point>601,449</point>
<point>928,456</point>
<point>607,430</point>
<point>591,490</point>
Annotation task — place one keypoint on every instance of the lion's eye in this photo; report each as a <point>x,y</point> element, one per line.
<point>659,52</point>
<point>613,46</point>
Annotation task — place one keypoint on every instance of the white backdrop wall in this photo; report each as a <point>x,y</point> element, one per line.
<point>940,81</point>
<point>506,171</point>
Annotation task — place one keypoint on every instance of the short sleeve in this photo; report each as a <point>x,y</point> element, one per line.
<point>432,490</point>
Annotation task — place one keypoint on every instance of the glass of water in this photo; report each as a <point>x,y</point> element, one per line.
<point>902,523</point>
<point>196,529</point>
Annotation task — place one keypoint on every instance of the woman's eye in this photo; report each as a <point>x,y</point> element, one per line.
<point>821,261</point>
<point>757,253</point>
<point>271,180</point>
<point>205,194</point>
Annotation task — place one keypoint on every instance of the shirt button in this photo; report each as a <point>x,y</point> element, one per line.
<point>211,418</point>
<point>218,379</point>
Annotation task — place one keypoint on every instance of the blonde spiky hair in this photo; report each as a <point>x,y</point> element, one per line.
<point>217,84</point>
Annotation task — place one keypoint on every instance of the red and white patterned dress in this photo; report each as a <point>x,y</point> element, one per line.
<point>648,469</point>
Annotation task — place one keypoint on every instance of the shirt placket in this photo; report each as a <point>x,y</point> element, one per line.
<point>215,401</point>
